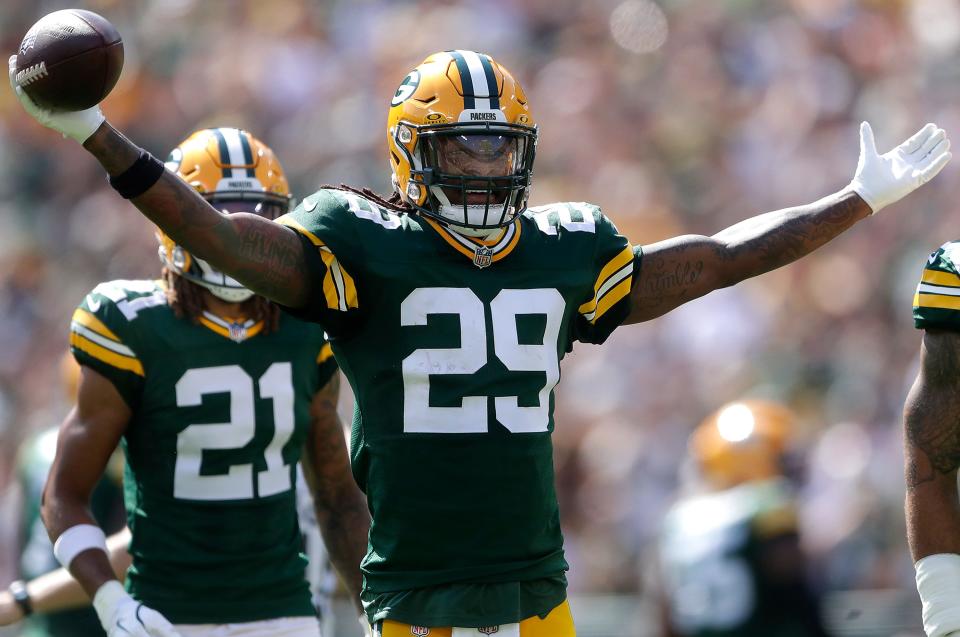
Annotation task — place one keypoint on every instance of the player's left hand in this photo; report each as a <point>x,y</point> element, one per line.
<point>884,179</point>
<point>78,125</point>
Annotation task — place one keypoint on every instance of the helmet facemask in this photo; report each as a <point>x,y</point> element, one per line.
<point>477,175</point>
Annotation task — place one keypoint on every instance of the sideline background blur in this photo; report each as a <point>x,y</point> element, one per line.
<point>676,116</point>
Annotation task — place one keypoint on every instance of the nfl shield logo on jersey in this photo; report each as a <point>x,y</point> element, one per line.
<point>419,631</point>
<point>489,630</point>
<point>238,332</point>
<point>482,257</point>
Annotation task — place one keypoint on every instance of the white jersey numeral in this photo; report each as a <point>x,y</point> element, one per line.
<point>366,210</point>
<point>471,416</point>
<point>237,484</point>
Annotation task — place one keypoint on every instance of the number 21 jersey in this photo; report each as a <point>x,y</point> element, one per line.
<point>220,413</point>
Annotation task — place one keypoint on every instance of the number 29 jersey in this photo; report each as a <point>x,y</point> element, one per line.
<point>220,413</point>
<point>452,347</point>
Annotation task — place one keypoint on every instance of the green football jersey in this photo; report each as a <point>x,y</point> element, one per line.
<point>937,300</point>
<point>452,347</point>
<point>220,415</point>
<point>36,551</point>
<point>720,571</point>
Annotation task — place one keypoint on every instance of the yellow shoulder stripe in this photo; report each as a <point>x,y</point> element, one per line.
<point>624,257</point>
<point>325,353</point>
<point>936,301</point>
<point>106,356</point>
<point>937,277</point>
<point>611,298</point>
<point>91,322</point>
<point>288,221</point>
<point>339,288</point>
<point>613,266</point>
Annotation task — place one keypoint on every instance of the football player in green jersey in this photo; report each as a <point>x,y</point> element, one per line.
<point>731,564</point>
<point>931,419</point>
<point>449,307</point>
<point>215,397</point>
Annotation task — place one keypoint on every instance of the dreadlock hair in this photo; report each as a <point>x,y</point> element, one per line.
<point>394,202</point>
<point>186,300</point>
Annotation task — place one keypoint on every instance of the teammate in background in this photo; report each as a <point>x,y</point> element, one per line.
<point>449,307</point>
<point>36,551</point>
<point>215,397</point>
<point>931,419</point>
<point>731,564</point>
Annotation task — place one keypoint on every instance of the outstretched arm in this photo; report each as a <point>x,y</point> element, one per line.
<point>687,267</point>
<point>264,256</point>
<point>57,590</point>
<point>341,508</point>
<point>684,268</point>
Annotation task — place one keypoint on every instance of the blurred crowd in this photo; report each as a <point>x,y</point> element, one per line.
<point>676,116</point>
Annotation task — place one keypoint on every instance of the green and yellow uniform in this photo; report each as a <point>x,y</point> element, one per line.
<point>220,415</point>
<point>723,567</point>
<point>453,348</point>
<point>36,551</point>
<point>936,303</point>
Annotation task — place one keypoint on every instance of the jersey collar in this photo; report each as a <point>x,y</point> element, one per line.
<point>482,253</point>
<point>237,330</point>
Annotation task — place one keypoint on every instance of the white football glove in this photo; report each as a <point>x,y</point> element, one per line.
<point>883,179</point>
<point>78,125</point>
<point>123,616</point>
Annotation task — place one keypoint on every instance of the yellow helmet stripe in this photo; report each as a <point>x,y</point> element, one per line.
<point>938,277</point>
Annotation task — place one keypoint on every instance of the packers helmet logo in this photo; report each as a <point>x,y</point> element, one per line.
<point>407,88</point>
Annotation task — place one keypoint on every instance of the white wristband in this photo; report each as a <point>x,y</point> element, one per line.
<point>938,582</point>
<point>76,540</point>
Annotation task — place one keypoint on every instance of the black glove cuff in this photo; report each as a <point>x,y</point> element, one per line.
<point>139,178</point>
<point>20,595</point>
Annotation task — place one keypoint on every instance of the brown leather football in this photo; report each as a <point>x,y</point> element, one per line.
<point>69,60</point>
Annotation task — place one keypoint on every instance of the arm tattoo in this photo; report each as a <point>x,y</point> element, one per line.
<point>685,268</point>
<point>341,508</point>
<point>932,412</point>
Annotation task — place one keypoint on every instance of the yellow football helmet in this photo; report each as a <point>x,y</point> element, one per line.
<point>742,442</point>
<point>457,111</point>
<point>235,172</point>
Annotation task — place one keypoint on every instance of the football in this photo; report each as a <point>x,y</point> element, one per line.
<point>69,60</point>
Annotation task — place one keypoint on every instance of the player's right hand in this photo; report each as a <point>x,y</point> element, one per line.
<point>78,125</point>
<point>123,616</point>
